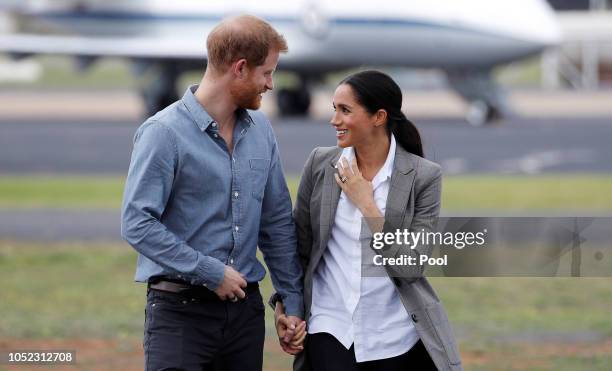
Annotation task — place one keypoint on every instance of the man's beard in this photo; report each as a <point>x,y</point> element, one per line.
<point>246,95</point>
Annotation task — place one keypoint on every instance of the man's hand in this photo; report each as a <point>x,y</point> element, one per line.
<point>232,285</point>
<point>291,331</point>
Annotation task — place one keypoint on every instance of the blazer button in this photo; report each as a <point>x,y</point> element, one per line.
<point>414,318</point>
<point>397,282</point>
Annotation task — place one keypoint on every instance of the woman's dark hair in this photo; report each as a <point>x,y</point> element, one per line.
<point>375,90</point>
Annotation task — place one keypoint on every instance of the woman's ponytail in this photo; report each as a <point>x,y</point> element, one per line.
<point>406,134</point>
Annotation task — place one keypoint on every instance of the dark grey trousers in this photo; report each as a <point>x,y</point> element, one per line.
<point>185,332</point>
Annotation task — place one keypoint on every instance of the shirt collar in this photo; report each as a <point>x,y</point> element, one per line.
<point>385,171</point>
<point>202,118</point>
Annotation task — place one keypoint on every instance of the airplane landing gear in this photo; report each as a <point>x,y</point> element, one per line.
<point>293,102</point>
<point>161,92</point>
<point>487,103</point>
<point>480,113</point>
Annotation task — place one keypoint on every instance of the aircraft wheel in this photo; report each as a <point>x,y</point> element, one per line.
<point>293,102</point>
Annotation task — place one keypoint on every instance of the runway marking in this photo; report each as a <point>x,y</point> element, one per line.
<point>536,162</point>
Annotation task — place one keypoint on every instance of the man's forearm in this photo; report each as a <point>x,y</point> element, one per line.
<point>152,239</point>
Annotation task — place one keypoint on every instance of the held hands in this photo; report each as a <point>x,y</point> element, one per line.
<point>232,285</point>
<point>291,331</point>
<point>355,186</point>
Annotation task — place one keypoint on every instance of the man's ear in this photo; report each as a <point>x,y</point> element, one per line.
<point>240,68</point>
<point>381,117</point>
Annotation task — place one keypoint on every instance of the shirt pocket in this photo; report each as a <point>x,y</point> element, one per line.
<point>259,176</point>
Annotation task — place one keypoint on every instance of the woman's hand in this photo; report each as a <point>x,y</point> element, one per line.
<point>357,188</point>
<point>291,331</point>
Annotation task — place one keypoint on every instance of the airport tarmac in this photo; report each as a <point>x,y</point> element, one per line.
<point>517,146</point>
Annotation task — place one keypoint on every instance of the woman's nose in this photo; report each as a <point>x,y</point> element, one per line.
<point>334,119</point>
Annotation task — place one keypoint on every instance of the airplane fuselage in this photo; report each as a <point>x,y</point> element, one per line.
<point>327,36</point>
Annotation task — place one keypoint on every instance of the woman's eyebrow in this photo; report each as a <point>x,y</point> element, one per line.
<point>342,105</point>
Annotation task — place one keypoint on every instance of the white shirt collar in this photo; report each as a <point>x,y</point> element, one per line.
<point>385,171</point>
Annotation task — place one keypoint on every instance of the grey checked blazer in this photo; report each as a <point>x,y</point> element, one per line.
<point>413,203</point>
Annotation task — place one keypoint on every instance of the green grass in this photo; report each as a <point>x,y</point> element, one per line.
<point>486,307</point>
<point>460,193</point>
<point>72,289</point>
<point>60,192</point>
<point>86,290</point>
<point>518,193</point>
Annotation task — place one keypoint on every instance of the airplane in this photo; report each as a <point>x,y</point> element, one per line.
<point>465,39</point>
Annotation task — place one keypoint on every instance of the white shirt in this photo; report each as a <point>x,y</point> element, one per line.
<point>364,311</point>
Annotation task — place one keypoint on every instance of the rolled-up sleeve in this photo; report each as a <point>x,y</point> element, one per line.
<point>148,188</point>
<point>277,239</point>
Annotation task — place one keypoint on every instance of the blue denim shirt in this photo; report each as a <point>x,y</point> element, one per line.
<point>190,208</point>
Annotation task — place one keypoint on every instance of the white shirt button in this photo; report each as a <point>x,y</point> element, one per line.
<point>216,135</point>
<point>236,228</point>
<point>236,194</point>
<point>214,124</point>
<point>232,261</point>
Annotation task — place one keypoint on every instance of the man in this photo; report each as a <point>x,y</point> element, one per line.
<point>204,189</point>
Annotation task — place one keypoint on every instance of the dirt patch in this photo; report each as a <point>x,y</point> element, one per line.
<point>530,355</point>
<point>127,354</point>
<point>103,355</point>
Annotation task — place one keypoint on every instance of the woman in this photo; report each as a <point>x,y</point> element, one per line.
<point>394,322</point>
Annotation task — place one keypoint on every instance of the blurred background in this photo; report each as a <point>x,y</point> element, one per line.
<point>513,100</point>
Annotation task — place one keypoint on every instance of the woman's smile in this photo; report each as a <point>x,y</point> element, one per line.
<point>341,132</point>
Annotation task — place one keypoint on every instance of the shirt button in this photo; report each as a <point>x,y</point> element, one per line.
<point>214,124</point>
<point>236,194</point>
<point>236,228</point>
<point>205,285</point>
<point>232,261</point>
<point>216,135</point>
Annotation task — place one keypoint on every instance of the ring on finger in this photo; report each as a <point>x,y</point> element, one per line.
<point>343,179</point>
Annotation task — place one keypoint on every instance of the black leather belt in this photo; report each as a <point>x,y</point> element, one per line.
<point>187,289</point>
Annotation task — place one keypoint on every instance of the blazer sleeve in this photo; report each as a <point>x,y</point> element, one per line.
<point>301,212</point>
<point>301,216</point>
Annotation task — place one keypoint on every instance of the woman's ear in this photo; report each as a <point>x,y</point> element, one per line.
<point>381,117</point>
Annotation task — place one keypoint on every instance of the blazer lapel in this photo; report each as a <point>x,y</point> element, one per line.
<point>400,189</point>
<point>329,204</point>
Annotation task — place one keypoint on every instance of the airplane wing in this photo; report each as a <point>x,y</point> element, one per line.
<point>131,47</point>
<point>299,59</point>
